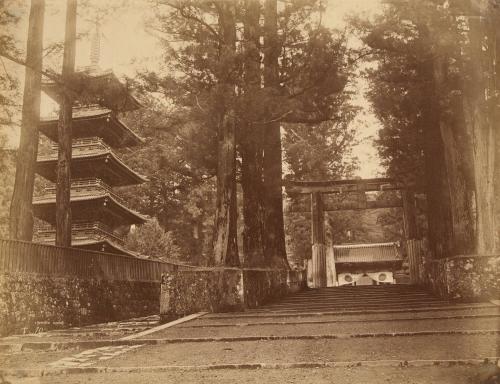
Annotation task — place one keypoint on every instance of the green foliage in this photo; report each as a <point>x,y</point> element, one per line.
<point>179,192</point>
<point>150,239</point>
<point>196,87</point>
<point>403,40</point>
<point>7,172</point>
<point>319,152</point>
<point>9,85</point>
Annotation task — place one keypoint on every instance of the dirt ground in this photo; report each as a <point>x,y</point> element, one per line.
<point>358,375</point>
<point>283,351</point>
<point>30,360</point>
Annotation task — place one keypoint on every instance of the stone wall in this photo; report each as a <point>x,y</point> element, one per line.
<point>32,302</point>
<point>467,278</point>
<point>45,287</point>
<point>222,290</point>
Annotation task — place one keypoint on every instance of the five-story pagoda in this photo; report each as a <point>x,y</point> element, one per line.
<point>100,218</point>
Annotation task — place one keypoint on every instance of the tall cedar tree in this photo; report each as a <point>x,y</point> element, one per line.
<point>480,106</point>
<point>225,237</point>
<point>64,129</point>
<point>21,210</point>
<point>429,60</point>
<point>274,227</point>
<point>303,87</point>
<point>251,141</point>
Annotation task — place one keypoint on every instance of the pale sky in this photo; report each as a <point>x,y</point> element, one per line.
<point>126,46</point>
<point>366,124</point>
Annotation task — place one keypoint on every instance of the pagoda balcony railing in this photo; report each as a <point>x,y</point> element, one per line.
<point>83,187</point>
<point>86,145</point>
<point>80,147</point>
<point>88,230</point>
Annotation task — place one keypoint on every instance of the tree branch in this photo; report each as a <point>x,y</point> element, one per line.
<point>49,74</point>
<point>193,17</point>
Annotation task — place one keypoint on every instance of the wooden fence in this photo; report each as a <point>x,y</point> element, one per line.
<point>26,257</point>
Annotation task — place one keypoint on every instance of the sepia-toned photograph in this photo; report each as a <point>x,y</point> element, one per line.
<point>250,191</point>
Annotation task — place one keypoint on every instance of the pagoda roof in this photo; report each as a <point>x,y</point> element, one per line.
<point>97,86</point>
<point>85,204</point>
<point>100,245</point>
<point>98,161</point>
<point>103,245</point>
<point>94,121</point>
<point>366,253</point>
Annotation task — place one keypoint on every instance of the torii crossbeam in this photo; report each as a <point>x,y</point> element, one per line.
<point>317,188</point>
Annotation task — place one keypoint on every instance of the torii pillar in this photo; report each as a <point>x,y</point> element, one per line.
<point>410,227</point>
<point>318,262</point>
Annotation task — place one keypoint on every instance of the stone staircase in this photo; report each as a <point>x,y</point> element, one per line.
<point>366,334</point>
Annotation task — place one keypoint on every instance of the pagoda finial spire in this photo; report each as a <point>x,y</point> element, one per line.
<point>95,45</point>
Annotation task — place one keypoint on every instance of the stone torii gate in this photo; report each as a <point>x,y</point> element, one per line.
<point>316,190</point>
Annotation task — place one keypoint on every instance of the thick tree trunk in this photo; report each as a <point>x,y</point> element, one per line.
<point>458,158</point>
<point>251,141</point>
<point>253,210</point>
<point>225,239</point>
<point>226,245</point>
<point>436,187</point>
<point>450,210</point>
<point>410,224</point>
<point>479,110</point>
<point>274,223</point>
<point>497,127</point>
<point>64,128</point>
<point>21,210</point>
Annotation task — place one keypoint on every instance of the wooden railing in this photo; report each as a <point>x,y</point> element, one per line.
<point>93,230</point>
<point>84,144</point>
<point>83,187</point>
<point>25,257</point>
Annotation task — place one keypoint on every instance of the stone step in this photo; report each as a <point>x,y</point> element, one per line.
<point>354,302</point>
<point>382,287</point>
<point>359,295</point>
<point>337,312</point>
<point>290,329</point>
<point>348,319</point>
<point>344,308</point>
<point>370,288</point>
<point>352,306</point>
<point>357,291</point>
